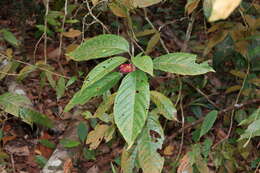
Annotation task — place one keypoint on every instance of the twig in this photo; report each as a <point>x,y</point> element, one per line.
<point>25,63</point>
<point>36,47</point>
<point>188,33</point>
<point>95,18</point>
<point>12,161</point>
<point>203,94</point>
<point>182,120</point>
<point>236,103</point>
<point>151,24</point>
<point>61,34</point>
<point>45,31</point>
<point>229,108</point>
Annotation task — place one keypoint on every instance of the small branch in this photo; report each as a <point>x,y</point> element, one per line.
<point>236,103</point>
<point>95,18</point>
<point>202,93</point>
<point>182,119</point>
<point>229,108</point>
<point>61,34</point>
<point>45,31</point>
<point>151,24</point>
<point>188,34</point>
<point>25,63</point>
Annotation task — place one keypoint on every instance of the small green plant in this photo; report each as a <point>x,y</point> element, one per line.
<point>131,114</point>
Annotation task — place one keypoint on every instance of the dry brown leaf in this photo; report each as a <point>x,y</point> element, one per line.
<point>93,169</point>
<point>118,10</point>
<point>5,139</point>
<point>221,9</point>
<point>17,150</point>
<point>233,89</point>
<point>168,150</point>
<point>95,136</point>
<point>185,166</point>
<point>144,3</point>
<point>213,41</point>
<point>95,2</point>
<point>67,166</point>
<point>152,42</point>
<point>72,33</point>
<point>191,5</point>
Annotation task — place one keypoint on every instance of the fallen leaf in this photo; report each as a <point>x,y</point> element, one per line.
<point>95,136</point>
<point>72,33</point>
<point>67,166</point>
<point>185,166</point>
<point>8,138</point>
<point>219,9</point>
<point>93,169</point>
<point>168,150</point>
<point>17,150</point>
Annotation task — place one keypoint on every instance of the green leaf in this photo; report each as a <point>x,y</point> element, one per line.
<point>113,167</point>
<point>89,154</point>
<point>40,160</point>
<point>164,105</point>
<point>67,143</point>
<point>20,106</point>
<point>208,122</point>
<point>131,105</point>
<point>181,63</point>
<point>99,47</point>
<point>60,88</point>
<point>47,143</point>
<point>96,89</point>
<point>150,142</point>
<point>25,71</point>
<point>71,81</point>
<point>10,38</point>
<point>50,79</point>
<point>102,70</point>
<point>206,147</point>
<point>5,67</point>
<point>128,159</point>
<point>82,131</point>
<point>252,130</point>
<point>254,116</point>
<point>144,63</point>
<point>35,117</point>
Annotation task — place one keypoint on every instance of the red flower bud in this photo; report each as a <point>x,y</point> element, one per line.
<point>126,68</point>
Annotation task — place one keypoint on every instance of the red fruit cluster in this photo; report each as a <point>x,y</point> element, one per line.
<point>126,68</point>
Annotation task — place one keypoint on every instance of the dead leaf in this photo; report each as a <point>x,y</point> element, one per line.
<point>95,136</point>
<point>17,150</point>
<point>95,2</point>
<point>185,166</point>
<point>233,88</point>
<point>221,9</point>
<point>214,40</point>
<point>72,33</point>
<point>145,32</point>
<point>93,169</point>
<point>191,5</point>
<point>168,150</point>
<point>144,3</point>
<point>152,42</point>
<point>5,139</point>
<point>67,166</point>
<point>118,10</point>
